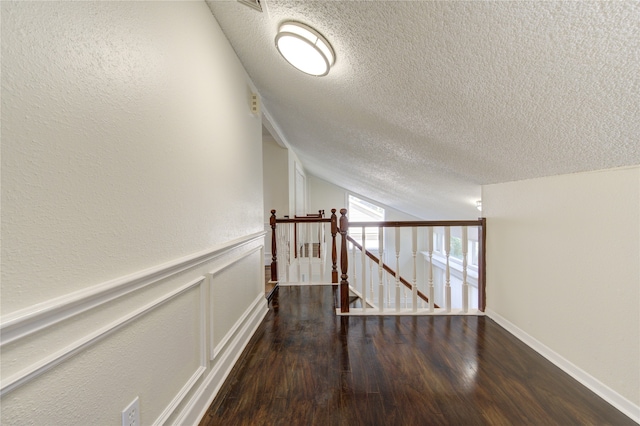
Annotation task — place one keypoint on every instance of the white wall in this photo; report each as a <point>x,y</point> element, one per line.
<point>276,178</point>
<point>276,186</point>
<point>325,196</point>
<point>563,271</point>
<point>298,197</point>
<point>132,196</point>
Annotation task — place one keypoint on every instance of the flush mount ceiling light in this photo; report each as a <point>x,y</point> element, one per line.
<point>304,48</point>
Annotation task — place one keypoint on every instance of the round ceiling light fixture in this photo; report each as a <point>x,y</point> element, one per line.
<point>304,48</point>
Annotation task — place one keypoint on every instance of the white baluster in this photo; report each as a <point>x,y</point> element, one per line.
<point>310,249</point>
<point>364,272</point>
<point>298,251</point>
<point>353,262</point>
<point>289,247</point>
<point>447,250</point>
<point>397,269</point>
<point>283,247</point>
<point>430,252</point>
<point>414,287</point>
<point>380,269</point>
<point>388,287</point>
<point>371,292</point>
<point>280,251</point>
<point>465,285</point>
<point>321,250</point>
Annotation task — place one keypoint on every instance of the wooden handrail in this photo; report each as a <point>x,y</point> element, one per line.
<point>406,224</point>
<point>388,269</point>
<point>320,214</point>
<point>305,220</point>
<point>310,218</point>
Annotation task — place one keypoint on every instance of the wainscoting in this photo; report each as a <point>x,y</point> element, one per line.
<point>168,334</point>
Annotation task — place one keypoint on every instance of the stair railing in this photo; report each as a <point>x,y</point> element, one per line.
<point>299,248</point>
<point>442,267</point>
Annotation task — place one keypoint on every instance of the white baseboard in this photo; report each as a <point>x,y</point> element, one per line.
<point>197,406</point>
<point>603,391</point>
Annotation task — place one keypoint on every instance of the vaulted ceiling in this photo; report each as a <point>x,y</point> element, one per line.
<point>428,100</point>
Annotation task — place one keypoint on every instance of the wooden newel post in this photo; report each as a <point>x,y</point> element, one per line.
<point>344,265</point>
<point>334,252</point>
<point>274,254</point>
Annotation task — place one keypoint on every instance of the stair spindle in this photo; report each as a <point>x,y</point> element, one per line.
<point>298,249</point>
<point>289,233</point>
<point>309,249</point>
<point>381,269</point>
<point>322,251</point>
<point>447,250</point>
<point>414,286</point>
<point>364,271</point>
<point>397,269</point>
<point>354,275</point>
<point>430,254</point>
<point>371,292</point>
<point>465,285</point>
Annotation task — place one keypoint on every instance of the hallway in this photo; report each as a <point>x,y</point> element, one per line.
<point>306,366</point>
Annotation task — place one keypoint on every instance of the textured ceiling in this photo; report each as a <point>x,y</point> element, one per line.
<point>428,100</point>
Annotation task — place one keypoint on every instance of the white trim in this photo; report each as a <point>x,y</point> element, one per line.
<point>625,406</point>
<point>409,312</point>
<point>29,373</point>
<point>162,418</point>
<point>267,245</point>
<point>177,400</point>
<point>24,322</point>
<point>234,330</point>
<point>212,295</point>
<point>303,284</point>
<point>199,403</point>
<point>272,127</point>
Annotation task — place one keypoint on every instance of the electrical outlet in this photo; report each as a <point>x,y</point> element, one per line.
<point>131,414</point>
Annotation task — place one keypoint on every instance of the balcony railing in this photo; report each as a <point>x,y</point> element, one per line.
<point>412,267</point>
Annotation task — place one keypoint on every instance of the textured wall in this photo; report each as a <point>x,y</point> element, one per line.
<point>124,143</point>
<point>131,175</point>
<point>562,265</point>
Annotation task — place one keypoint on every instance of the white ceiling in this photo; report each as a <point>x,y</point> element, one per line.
<point>428,100</point>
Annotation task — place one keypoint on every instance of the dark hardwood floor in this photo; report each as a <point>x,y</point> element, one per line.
<point>307,366</point>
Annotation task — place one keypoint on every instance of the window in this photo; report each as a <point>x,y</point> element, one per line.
<point>363,211</point>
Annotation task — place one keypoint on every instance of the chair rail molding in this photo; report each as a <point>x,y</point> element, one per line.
<point>24,322</point>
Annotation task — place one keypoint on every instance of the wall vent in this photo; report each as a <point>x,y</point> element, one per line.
<point>255,104</point>
<point>253,4</point>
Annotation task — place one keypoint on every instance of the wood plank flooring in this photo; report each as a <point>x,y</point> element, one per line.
<point>306,366</point>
